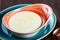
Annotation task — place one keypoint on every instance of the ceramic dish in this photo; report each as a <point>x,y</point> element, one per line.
<point>44,11</point>
<point>49,28</point>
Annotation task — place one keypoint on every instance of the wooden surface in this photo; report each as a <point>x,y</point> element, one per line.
<point>55,4</point>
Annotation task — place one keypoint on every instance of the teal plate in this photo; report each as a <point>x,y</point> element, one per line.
<point>7,35</point>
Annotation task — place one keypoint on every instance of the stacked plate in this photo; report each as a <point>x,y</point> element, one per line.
<point>47,25</point>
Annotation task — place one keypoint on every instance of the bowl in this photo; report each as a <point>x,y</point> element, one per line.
<point>46,13</point>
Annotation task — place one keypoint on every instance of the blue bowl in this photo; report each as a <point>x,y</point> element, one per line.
<point>43,32</point>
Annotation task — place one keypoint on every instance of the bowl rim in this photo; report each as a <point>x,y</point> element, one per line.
<point>51,29</point>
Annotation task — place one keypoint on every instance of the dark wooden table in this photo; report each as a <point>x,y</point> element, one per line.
<point>55,4</point>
